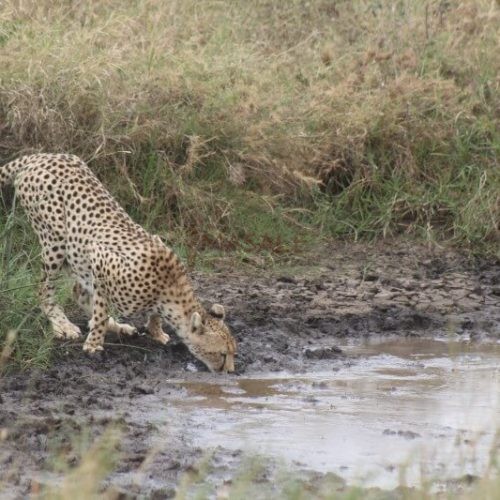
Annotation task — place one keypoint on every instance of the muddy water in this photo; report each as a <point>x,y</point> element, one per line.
<point>413,407</point>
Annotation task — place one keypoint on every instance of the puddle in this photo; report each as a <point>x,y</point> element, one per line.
<point>428,406</point>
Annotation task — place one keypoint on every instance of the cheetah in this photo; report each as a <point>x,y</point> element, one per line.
<point>116,264</point>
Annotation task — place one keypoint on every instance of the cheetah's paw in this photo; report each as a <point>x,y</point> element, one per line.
<point>162,338</point>
<point>121,328</point>
<point>91,348</point>
<point>65,330</point>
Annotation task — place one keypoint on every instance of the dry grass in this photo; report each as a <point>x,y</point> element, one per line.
<point>370,117</point>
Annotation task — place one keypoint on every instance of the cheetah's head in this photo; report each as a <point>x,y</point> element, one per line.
<point>211,341</point>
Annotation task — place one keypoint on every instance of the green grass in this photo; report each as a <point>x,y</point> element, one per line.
<point>19,310</point>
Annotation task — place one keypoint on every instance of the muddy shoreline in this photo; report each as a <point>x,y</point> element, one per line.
<point>289,319</point>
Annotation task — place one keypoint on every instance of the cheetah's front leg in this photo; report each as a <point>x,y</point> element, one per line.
<point>97,325</point>
<point>84,300</point>
<point>156,331</point>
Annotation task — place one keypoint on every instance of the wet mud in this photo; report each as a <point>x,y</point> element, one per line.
<point>342,356</point>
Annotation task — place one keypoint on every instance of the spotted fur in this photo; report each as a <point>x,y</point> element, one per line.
<point>115,262</point>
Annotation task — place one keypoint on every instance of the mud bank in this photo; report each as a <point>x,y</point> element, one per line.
<point>308,325</point>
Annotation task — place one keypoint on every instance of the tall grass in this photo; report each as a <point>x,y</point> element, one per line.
<point>360,118</point>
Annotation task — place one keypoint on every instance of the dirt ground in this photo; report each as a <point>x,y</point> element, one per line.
<point>290,318</point>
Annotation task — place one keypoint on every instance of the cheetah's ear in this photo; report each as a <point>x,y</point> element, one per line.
<point>196,323</point>
<point>217,311</point>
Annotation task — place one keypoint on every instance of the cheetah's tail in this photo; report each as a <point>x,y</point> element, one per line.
<point>9,171</point>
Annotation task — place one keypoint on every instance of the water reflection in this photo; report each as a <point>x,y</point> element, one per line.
<point>430,405</point>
